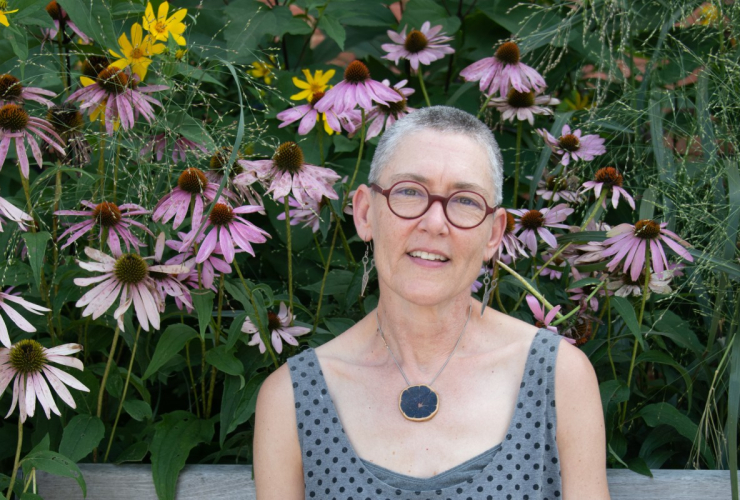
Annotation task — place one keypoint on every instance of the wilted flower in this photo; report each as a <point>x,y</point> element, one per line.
<point>357,88</point>
<point>609,178</point>
<point>27,365</point>
<point>314,84</point>
<point>67,122</point>
<point>511,245</point>
<point>129,275</point>
<point>286,173</point>
<point>119,95</point>
<point>504,71</point>
<point>624,286</point>
<point>535,222</point>
<point>16,124</point>
<point>629,243</point>
<point>555,269</point>
<point>167,283</point>
<point>228,230</point>
<point>523,105</point>
<point>383,116</point>
<point>574,146</point>
<point>117,220</point>
<point>59,15</point>
<point>280,330</point>
<point>161,26</point>
<point>12,91</point>
<point>11,212</point>
<point>557,187</point>
<point>9,296</point>
<point>136,52</point>
<point>181,145</point>
<point>420,46</point>
<point>208,268</point>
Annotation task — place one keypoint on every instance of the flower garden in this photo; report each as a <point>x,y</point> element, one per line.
<point>175,208</point>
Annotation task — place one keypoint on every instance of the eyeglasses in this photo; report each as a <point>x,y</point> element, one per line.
<point>411,200</point>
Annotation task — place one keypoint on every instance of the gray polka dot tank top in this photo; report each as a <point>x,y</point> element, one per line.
<point>525,466</point>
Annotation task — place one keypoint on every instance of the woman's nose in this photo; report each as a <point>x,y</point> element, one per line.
<point>435,218</point>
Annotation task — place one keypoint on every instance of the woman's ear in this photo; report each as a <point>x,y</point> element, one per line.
<point>497,234</point>
<point>361,212</point>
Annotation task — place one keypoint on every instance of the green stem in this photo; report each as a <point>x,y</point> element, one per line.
<point>115,171</point>
<point>423,87</point>
<point>318,249</point>
<point>27,192</point>
<point>192,378</point>
<point>518,163</point>
<point>123,395</point>
<point>574,311</point>
<point>359,158</point>
<point>17,461</point>
<point>107,370</point>
<point>101,160</point>
<point>321,140</point>
<point>345,243</point>
<point>62,66</point>
<point>216,338</point>
<point>529,288</point>
<point>609,336</point>
<point>323,280</point>
<point>290,259</point>
<point>485,105</point>
<point>262,328</point>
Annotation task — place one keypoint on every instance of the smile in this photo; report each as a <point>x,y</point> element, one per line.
<point>428,256</point>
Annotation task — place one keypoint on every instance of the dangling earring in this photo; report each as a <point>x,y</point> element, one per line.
<point>489,286</point>
<point>368,263</point>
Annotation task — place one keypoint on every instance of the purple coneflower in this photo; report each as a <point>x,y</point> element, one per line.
<point>11,212</point>
<point>129,275</point>
<point>18,320</point>
<point>580,294</point>
<point>169,284</point>
<point>357,88</point>
<point>286,174</point>
<point>383,116</point>
<point>523,105</point>
<point>534,222</point>
<point>181,145</point>
<point>219,165</point>
<point>280,330</point>
<point>542,320</point>
<point>609,178</point>
<point>122,96</point>
<point>214,263</point>
<point>229,229</point>
<point>107,215</point>
<point>307,114</point>
<point>27,365</point>
<point>555,269</point>
<point>574,146</point>
<point>629,243</point>
<point>68,123</point>
<point>16,124</point>
<point>58,15</point>
<point>420,46</point>
<point>504,71</point>
<point>623,285</point>
<point>307,213</point>
<point>557,187</point>
<point>12,91</point>
<point>511,245</point>
<point>192,184</point>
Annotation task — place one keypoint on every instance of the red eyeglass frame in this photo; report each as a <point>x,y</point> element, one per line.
<point>431,198</point>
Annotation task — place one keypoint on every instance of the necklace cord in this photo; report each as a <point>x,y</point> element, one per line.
<point>377,319</point>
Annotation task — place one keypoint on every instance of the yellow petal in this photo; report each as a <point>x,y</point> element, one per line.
<point>4,20</point>
<point>157,48</point>
<point>300,83</point>
<point>179,39</point>
<point>308,76</point>
<point>149,18</point>
<point>86,82</point>
<point>327,128</point>
<point>306,94</point>
<point>164,8</point>
<point>124,44</point>
<point>140,67</point>
<point>136,34</point>
<point>121,63</point>
<point>327,76</point>
<point>178,16</point>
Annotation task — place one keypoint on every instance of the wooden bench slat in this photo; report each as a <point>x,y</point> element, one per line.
<point>234,482</point>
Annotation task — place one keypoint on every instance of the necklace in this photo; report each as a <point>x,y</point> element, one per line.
<point>420,403</point>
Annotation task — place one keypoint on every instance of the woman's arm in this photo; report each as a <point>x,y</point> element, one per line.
<point>580,426</point>
<point>278,468</point>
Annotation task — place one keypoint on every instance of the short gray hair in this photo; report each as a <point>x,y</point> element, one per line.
<point>442,119</point>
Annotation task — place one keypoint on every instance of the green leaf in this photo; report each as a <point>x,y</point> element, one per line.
<point>365,14</point>
<point>134,453</point>
<point>417,12</point>
<point>667,414</point>
<point>93,19</point>
<point>196,74</point>
<point>337,282</point>
<point>354,288</point>
<point>343,144</point>
<point>625,310</point>
<point>17,39</point>
<point>139,410</point>
<point>584,282</point>
<point>81,435</point>
<point>54,463</point>
<point>36,244</point>
<point>170,343</point>
<point>229,402</point>
<point>647,205</point>
<point>638,465</point>
<point>31,496</point>
<point>247,402</point>
<point>613,391</point>
<point>174,436</point>
<point>663,358</point>
<point>330,25</point>
<point>223,359</point>
<point>203,303</point>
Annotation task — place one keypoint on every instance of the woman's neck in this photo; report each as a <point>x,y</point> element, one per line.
<point>420,337</point>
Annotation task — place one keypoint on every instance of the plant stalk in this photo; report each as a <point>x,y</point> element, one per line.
<point>290,258</point>
<point>17,461</point>
<point>423,87</point>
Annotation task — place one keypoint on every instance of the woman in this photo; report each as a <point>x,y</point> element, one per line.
<point>342,422</point>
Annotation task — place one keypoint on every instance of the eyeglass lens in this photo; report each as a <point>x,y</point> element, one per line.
<point>410,200</point>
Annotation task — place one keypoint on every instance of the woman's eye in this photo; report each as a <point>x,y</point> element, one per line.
<point>408,192</point>
<point>468,202</point>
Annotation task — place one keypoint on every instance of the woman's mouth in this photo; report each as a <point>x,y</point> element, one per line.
<point>428,256</point>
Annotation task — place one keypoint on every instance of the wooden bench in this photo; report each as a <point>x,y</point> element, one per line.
<point>234,482</point>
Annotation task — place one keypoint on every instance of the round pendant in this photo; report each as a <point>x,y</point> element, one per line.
<point>418,403</point>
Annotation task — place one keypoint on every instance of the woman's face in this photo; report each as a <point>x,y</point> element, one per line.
<point>443,163</point>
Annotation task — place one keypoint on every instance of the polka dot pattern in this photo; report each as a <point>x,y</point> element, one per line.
<point>526,467</point>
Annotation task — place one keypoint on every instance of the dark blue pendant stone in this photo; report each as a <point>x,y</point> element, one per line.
<point>419,403</point>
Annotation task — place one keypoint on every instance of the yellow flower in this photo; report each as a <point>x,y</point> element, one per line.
<point>162,26</point>
<point>136,53</point>
<point>708,14</point>
<point>98,114</point>
<point>3,17</point>
<point>313,84</point>
<point>577,101</point>
<point>263,70</point>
